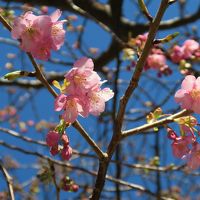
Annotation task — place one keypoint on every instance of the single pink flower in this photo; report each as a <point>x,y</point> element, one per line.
<point>66,153</point>
<point>82,77</point>
<point>52,138</point>
<point>97,99</point>
<point>156,61</point>
<point>189,94</point>
<point>141,39</point>
<point>180,146</point>
<point>177,54</point>
<point>57,31</point>
<point>190,47</point>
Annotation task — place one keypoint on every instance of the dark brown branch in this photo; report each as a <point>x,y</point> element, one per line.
<point>124,100</point>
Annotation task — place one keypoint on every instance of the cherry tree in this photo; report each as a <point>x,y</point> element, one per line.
<point>98,103</point>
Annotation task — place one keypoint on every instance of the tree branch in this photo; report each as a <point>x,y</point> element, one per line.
<point>155,124</point>
<point>8,181</point>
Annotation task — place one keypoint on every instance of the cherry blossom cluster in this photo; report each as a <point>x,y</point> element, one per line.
<point>82,93</point>
<point>156,59</point>
<point>189,50</point>
<point>52,140</point>
<point>189,95</point>
<point>39,35</point>
<point>186,146</point>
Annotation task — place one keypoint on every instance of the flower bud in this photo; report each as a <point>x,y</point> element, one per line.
<point>65,140</point>
<point>12,75</point>
<point>66,153</point>
<point>52,138</point>
<point>74,188</point>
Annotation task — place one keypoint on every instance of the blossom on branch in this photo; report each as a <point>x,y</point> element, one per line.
<point>39,35</point>
<point>83,95</point>
<point>186,146</point>
<point>189,94</point>
<point>189,50</point>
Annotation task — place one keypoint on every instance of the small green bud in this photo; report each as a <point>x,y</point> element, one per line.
<point>12,75</point>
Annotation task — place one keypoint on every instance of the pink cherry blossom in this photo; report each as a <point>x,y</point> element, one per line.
<point>66,153</point>
<point>97,99</point>
<point>189,94</point>
<point>39,34</point>
<point>82,77</point>
<point>52,138</point>
<point>72,108</point>
<point>57,31</point>
<point>83,95</point>
<point>177,54</point>
<point>156,61</point>
<point>190,47</point>
<point>180,146</point>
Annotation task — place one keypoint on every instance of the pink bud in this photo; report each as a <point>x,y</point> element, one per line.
<point>66,153</point>
<point>52,138</point>
<point>65,140</point>
<point>171,134</point>
<point>74,188</point>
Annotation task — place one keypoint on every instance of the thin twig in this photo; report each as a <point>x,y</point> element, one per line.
<point>8,181</point>
<point>90,172</point>
<point>155,124</point>
<point>52,168</point>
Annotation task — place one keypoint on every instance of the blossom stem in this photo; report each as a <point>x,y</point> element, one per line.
<point>5,23</point>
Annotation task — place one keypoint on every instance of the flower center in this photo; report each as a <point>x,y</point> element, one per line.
<point>195,93</point>
<point>55,30</point>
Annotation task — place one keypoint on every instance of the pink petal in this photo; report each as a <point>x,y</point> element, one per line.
<point>55,15</point>
<point>85,63</point>
<point>196,107</point>
<point>106,94</point>
<point>180,94</point>
<point>197,83</point>
<point>184,99</point>
<point>188,83</point>
<point>60,102</point>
